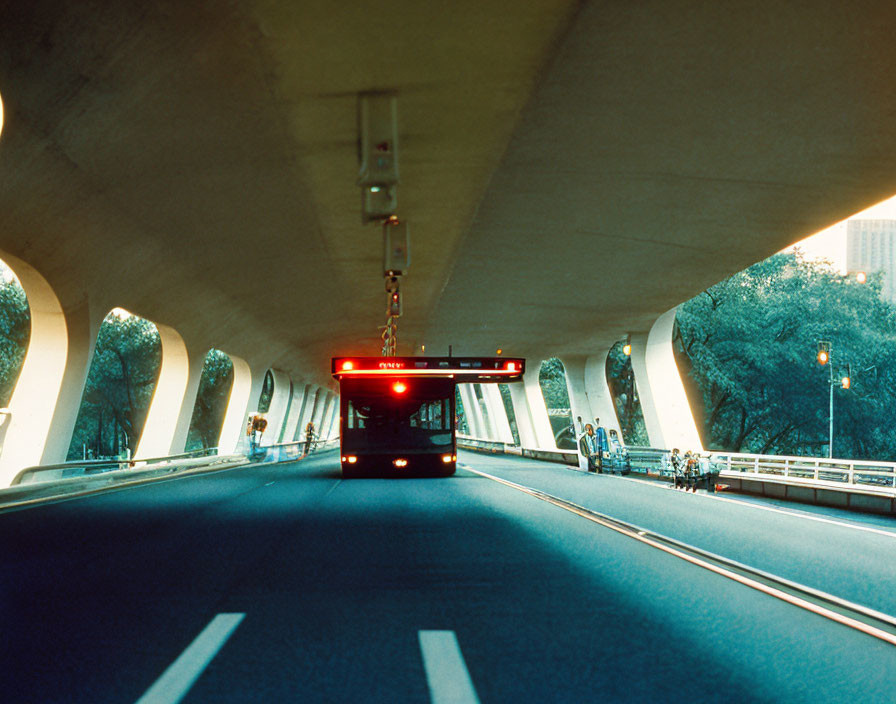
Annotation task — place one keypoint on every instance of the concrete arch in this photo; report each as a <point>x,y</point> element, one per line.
<point>589,393</point>
<point>167,417</point>
<point>531,411</point>
<point>46,397</point>
<point>233,427</point>
<point>664,402</point>
<point>497,414</point>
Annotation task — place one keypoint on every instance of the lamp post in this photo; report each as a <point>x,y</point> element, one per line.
<point>825,357</point>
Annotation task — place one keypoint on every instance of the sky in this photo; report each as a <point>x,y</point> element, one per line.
<point>831,242</point>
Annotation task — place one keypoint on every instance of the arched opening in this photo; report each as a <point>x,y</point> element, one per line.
<point>460,414</point>
<point>621,381</point>
<point>267,393</point>
<point>123,375</point>
<point>15,331</point>
<point>215,385</point>
<point>552,379</point>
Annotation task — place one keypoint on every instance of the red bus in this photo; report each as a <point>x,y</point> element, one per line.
<point>397,415</point>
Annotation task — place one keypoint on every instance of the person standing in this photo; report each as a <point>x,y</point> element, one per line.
<point>309,436</point>
<point>677,469</point>
<point>589,447</point>
<point>693,469</point>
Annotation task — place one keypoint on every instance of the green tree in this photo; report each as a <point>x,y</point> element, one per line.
<point>752,342</point>
<point>15,332</point>
<point>621,381</point>
<point>211,401</point>
<point>120,383</point>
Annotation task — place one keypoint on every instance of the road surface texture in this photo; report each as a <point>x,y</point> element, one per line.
<point>284,583</point>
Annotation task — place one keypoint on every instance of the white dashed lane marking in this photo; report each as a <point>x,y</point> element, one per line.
<point>446,672</point>
<point>176,681</point>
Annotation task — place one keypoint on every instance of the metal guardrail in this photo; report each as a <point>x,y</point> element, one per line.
<point>289,451</point>
<point>823,478</point>
<point>853,473</point>
<point>84,468</point>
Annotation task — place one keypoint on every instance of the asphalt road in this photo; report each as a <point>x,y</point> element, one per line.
<point>378,590</point>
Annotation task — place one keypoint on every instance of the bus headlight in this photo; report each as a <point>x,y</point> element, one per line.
<point>400,462</point>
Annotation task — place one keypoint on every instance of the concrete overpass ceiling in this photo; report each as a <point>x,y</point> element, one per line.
<point>196,162</point>
<point>668,145</point>
<point>569,170</point>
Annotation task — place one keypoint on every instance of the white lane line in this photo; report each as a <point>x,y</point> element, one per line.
<point>724,572</point>
<point>446,672</point>
<point>774,509</point>
<point>176,681</point>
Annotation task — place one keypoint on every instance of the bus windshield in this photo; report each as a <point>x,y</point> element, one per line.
<point>379,421</point>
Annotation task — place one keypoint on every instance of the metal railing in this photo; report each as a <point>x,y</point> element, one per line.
<point>878,477</point>
<point>86,468</point>
<point>857,473</point>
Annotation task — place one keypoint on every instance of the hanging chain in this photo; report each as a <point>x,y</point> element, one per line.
<point>393,311</point>
<point>390,337</point>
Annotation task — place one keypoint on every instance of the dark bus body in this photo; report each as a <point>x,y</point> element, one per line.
<point>390,433</point>
<point>397,414</point>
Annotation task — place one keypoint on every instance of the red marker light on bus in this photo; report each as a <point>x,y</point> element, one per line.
<point>352,459</point>
<point>511,366</point>
<point>400,463</point>
<point>347,366</point>
<point>399,387</point>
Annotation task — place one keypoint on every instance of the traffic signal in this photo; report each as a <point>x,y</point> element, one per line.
<point>845,382</point>
<point>824,352</point>
<point>395,304</point>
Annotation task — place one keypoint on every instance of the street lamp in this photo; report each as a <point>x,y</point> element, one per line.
<point>826,357</point>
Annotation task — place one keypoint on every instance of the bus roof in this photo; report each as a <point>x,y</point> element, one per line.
<point>463,369</point>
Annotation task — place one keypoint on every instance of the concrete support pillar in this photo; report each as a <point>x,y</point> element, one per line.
<point>296,406</point>
<point>244,396</point>
<point>48,391</point>
<point>538,410</point>
<point>574,371</point>
<point>524,425</point>
<point>182,425</point>
<point>83,326</point>
<point>276,415</point>
<point>307,411</point>
<point>473,411</point>
<point>672,407</point>
<point>320,401</point>
<point>489,424</point>
<point>600,400</point>
<point>330,417</point>
<point>494,405</point>
<point>167,398</point>
<point>664,403</point>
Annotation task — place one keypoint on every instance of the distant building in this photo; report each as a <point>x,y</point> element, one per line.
<point>871,247</point>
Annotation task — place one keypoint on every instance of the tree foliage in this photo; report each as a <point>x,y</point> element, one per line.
<point>120,383</point>
<point>15,331</point>
<point>752,341</point>
<point>211,401</point>
<point>621,380</point>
